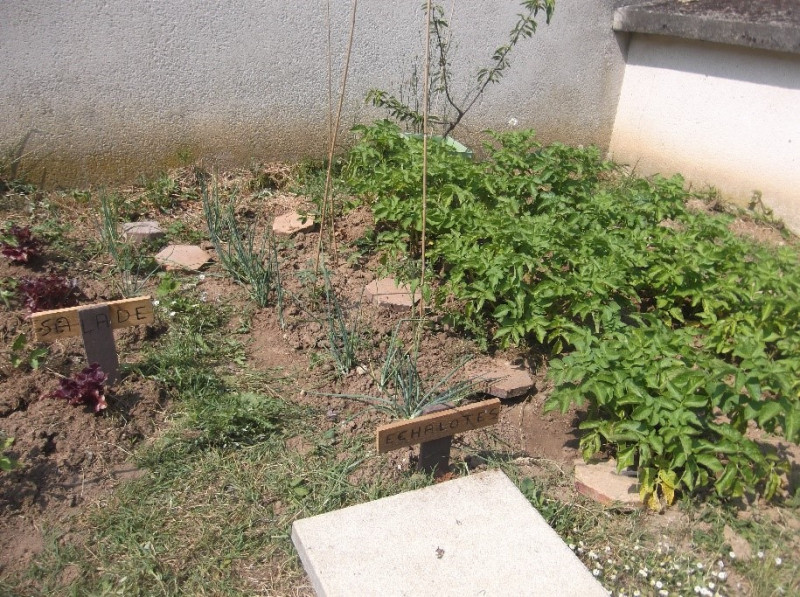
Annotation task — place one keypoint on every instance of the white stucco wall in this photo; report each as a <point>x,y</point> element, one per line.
<point>721,115</point>
<point>110,89</point>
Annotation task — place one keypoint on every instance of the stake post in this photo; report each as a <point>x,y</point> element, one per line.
<point>435,431</point>
<point>95,324</point>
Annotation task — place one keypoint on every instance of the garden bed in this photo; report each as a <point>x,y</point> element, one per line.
<point>226,425</point>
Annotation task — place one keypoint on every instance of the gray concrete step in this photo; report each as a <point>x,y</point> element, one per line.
<point>476,535</point>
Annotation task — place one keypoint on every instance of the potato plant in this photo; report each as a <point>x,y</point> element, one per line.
<point>675,332</point>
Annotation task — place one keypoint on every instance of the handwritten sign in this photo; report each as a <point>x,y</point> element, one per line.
<point>57,324</point>
<point>401,434</point>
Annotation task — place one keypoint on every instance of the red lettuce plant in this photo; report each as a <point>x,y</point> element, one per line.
<point>18,244</point>
<point>48,292</point>
<point>85,387</point>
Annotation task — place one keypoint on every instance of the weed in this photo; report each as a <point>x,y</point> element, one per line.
<point>181,232</point>
<point>6,463</point>
<point>249,262</point>
<point>235,420</point>
<point>133,266</point>
<point>166,194</point>
<point>31,359</point>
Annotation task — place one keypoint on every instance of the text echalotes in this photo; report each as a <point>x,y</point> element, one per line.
<point>65,323</point>
<point>401,434</point>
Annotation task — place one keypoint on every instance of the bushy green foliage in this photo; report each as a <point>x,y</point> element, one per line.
<point>676,332</point>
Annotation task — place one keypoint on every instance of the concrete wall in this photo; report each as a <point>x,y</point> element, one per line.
<point>726,116</point>
<point>103,90</point>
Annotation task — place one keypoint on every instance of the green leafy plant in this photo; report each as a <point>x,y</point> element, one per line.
<point>613,275</point>
<point>20,357</point>
<point>236,420</point>
<point>456,104</point>
<point>6,463</point>
<point>250,262</point>
<point>166,193</point>
<point>8,290</point>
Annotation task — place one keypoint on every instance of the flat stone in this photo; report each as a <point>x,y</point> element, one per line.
<point>452,539</point>
<point>138,232</point>
<point>507,381</point>
<point>601,482</point>
<point>387,293</point>
<point>292,223</point>
<point>182,257</point>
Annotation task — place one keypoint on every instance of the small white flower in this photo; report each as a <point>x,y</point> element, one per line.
<point>636,548</point>
<point>203,297</point>
<point>760,555</point>
<point>572,546</point>
<point>663,593</point>
<point>596,572</point>
<point>607,549</point>
<point>643,573</point>
<point>659,584</point>
<point>172,313</point>
<point>778,561</point>
<point>156,303</point>
<point>697,589</point>
<point>732,555</point>
<point>722,575</point>
<point>593,555</point>
<point>201,277</point>
<point>711,585</point>
<point>637,593</point>
<point>513,121</point>
<point>700,565</point>
<point>721,564</point>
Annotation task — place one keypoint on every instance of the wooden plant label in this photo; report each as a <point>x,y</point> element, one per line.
<point>95,323</point>
<point>49,326</point>
<point>426,428</point>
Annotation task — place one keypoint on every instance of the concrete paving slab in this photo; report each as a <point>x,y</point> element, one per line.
<point>388,293</point>
<point>477,535</point>
<point>137,232</point>
<point>291,223</point>
<point>601,482</point>
<point>182,257</point>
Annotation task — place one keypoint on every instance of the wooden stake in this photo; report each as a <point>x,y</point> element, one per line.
<point>95,324</point>
<point>430,427</point>
<point>434,456</point>
<point>98,340</point>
